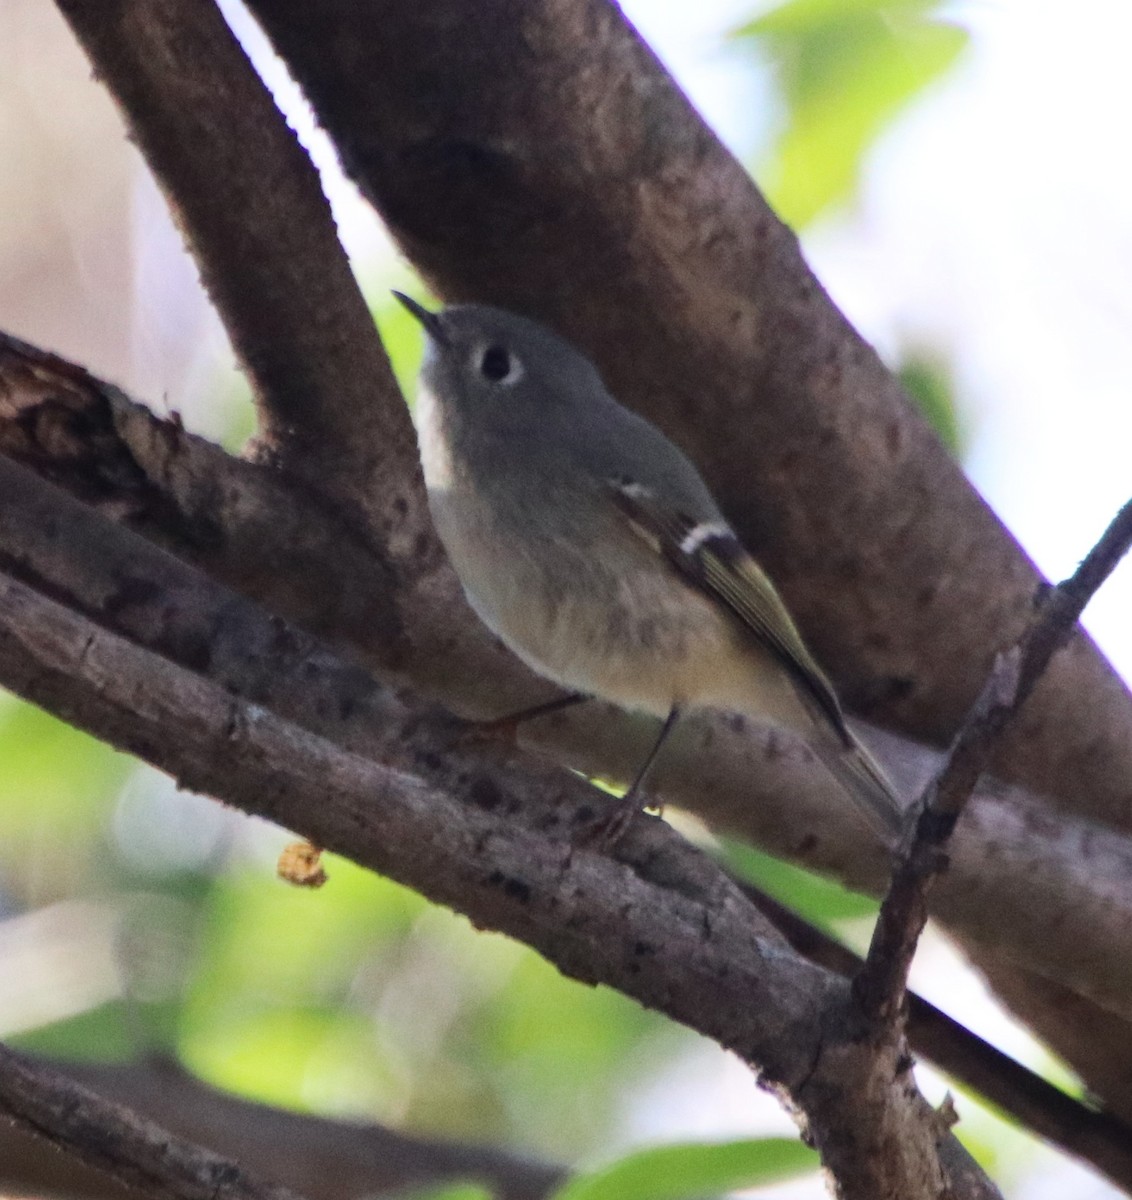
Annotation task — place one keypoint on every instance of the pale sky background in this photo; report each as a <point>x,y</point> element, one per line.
<point>993,223</point>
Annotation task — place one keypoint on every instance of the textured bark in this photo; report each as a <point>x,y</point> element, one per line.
<point>114,1140</point>
<point>1052,895</point>
<point>1024,888</point>
<point>249,200</point>
<point>1097,1138</point>
<point>578,185</point>
<point>662,925</point>
<point>266,534</point>
<point>322,1159</point>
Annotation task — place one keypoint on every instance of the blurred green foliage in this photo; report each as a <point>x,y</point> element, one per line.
<point>362,999</point>
<point>693,1170</point>
<point>400,330</point>
<point>458,1191</point>
<point>823,902</point>
<point>927,380</point>
<point>57,788</point>
<point>101,1034</point>
<point>845,69</point>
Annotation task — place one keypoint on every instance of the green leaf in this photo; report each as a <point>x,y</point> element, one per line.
<point>453,1191</point>
<point>928,384</point>
<point>845,69</point>
<point>693,1171</point>
<point>821,901</point>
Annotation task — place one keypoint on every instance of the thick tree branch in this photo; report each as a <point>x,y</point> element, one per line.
<point>265,534</point>
<point>113,1139</point>
<point>323,1159</point>
<point>59,546</point>
<point>1043,893</point>
<point>697,951</point>
<point>880,985</point>
<point>250,204</point>
<point>64,548</point>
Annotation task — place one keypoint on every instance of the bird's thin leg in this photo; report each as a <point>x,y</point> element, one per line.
<point>611,826</point>
<point>632,796</point>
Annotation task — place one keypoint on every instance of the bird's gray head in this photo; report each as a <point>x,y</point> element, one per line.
<point>500,363</point>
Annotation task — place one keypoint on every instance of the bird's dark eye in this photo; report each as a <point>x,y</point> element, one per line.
<point>495,363</point>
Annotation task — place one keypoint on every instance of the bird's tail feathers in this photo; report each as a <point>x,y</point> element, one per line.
<point>867,785</point>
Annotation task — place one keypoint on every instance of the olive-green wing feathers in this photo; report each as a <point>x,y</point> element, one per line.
<point>710,556</point>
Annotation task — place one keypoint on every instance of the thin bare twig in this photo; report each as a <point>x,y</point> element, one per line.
<point>880,986</point>
<point>121,1143</point>
<point>1097,1138</point>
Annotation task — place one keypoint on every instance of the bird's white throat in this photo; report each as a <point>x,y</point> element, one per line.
<point>436,456</point>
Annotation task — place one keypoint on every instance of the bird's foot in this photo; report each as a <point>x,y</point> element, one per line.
<point>604,831</point>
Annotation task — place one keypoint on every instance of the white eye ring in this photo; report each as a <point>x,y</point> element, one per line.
<point>495,363</point>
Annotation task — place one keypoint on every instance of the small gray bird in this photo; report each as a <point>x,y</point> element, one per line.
<point>591,546</point>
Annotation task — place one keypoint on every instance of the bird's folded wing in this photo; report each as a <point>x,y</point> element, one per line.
<point>710,556</point>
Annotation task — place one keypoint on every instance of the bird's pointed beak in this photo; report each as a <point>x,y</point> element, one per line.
<point>430,320</point>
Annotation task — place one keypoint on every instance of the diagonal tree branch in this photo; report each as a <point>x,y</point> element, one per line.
<point>332,415</point>
<point>324,1159</point>
<point>158,601</point>
<point>250,204</point>
<point>697,951</point>
<point>1013,870</point>
<point>1048,895</point>
<point>112,1139</point>
<point>880,985</point>
<point>128,586</point>
<point>579,186</point>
